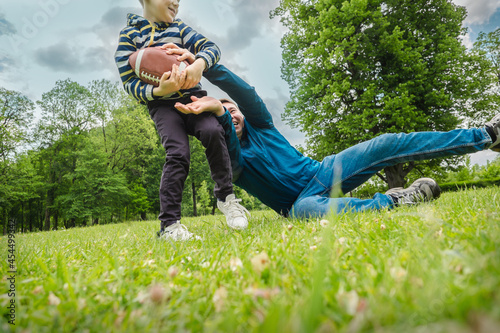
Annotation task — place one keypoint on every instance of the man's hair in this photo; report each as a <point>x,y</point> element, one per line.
<point>227,100</point>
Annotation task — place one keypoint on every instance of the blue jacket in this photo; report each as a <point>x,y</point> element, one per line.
<point>264,163</point>
<point>140,33</point>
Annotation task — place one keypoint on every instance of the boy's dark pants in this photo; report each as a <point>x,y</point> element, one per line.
<point>174,127</point>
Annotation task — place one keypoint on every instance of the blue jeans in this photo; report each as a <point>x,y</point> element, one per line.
<point>355,165</point>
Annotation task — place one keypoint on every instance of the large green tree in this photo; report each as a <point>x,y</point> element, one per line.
<point>361,68</point>
<point>16,112</point>
<point>66,118</point>
<point>489,45</point>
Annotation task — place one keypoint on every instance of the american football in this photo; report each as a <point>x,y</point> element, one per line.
<point>150,63</point>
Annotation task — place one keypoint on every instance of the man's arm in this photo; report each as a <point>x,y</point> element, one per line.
<point>250,104</point>
<point>213,105</point>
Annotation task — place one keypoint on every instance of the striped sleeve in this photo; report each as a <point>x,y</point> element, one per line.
<point>135,87</point>
<point>199,45</point>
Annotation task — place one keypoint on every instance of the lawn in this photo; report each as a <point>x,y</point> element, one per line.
<point>429,268</point>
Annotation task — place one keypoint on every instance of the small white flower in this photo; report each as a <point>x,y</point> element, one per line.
<point>219,299</point>
<point>235,264</point>
<point>54,300</point>
<point>260,262</point>
<point>324,223</point>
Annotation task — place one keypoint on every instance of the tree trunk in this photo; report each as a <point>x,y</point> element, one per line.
<point>22,218</point>
<point>40,216</point>
<point>395,175</point>
<point>49,202</point>
<point>4,231</point>
<point>143,216</point>
<point>56,221</point>
<point>195,212</point>
<point>47,219</point>
<point>30,223</point>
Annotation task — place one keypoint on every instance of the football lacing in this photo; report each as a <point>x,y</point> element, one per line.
<point>150,77</point>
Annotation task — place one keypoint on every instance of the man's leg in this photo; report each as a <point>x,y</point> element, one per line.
<point>355,165</point>
<point>360,162</point>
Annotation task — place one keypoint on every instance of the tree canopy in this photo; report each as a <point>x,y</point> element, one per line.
<point>360,68</point>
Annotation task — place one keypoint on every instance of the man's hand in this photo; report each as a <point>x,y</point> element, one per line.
<point>200,105</point>
<point>196,68</point>
<point>170,82</point>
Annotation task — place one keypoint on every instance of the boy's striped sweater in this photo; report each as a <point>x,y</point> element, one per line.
<point>141,33</point>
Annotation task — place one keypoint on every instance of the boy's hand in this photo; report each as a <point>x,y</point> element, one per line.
<point>200,105</point>
<point>194,71</point>
<point>184,54</point>
<point>170,82</point>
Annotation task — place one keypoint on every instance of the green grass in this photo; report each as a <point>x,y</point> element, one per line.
<point>430,268</point>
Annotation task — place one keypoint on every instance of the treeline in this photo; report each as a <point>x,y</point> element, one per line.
<point>90,156</point>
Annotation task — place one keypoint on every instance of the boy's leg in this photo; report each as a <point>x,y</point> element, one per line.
<point>171,128</point>
<point>207,129</point>
<point>355,165</point>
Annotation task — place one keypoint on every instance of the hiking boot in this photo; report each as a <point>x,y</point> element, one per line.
<point>493,129</point>
<point>234,212</point>
<point>423,189</point>
<point>177,232</point>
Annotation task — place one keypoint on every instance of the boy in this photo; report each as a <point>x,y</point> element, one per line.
<point>159,27</point>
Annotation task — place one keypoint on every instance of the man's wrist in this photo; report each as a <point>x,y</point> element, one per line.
<point>220,110</point>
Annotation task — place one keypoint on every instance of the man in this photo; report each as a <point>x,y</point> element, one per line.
<point>268,167</point>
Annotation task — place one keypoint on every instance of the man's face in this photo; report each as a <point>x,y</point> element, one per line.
<point>162,10</point>
<point>237,117</point>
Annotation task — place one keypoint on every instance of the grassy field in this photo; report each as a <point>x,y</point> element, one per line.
<point>429,268</point>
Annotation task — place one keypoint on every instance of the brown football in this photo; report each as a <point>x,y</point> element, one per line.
<point>150,63</point>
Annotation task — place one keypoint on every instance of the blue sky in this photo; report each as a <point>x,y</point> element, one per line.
<point>48,40</point>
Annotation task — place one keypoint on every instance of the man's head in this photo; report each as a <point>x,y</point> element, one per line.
<point>236,115</point>
<point>160,10</point>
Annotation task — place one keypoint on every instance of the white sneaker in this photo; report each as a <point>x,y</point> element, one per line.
<point>177,232</point>
<point>494,125</point>
<point>234,212</point>
<point>422,190</point>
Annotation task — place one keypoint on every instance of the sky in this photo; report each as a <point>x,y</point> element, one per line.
<point>43,41</point>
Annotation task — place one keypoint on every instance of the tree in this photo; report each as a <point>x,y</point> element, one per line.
<point>96,191</point>
<point>16,111</point>
<point>489,44</point>
<point>127,137</point>
<point>66,117</point>
<point>361,68</point>
<point>24,187</point>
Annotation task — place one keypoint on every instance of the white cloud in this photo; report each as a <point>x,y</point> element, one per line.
<point>478,11</point>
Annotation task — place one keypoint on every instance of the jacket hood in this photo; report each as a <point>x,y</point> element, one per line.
<point>139,21</point>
